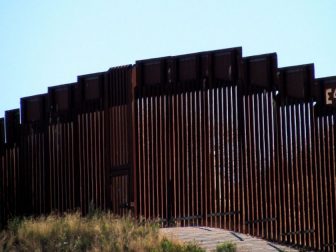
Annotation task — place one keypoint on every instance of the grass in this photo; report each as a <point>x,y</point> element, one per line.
<point>97,232</point>
<point>226,247</point>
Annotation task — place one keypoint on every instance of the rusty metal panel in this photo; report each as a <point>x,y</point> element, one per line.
<point>325,181</point>
<point>33,108</point>
<point>260,70</point>
<point>2,132</point>
<point>61,167</point>
<point>119,194</point>
<point>12,125</point>
<point>91,160</point>
<point>296,82</point>
<point>9,184</point>
<point>61,98</point>
<point>117,86</point>
<point>92,88</point>
<point>188,67</point>
<point>89,92</point>
<point>152,71</point>
<point>226,64</point>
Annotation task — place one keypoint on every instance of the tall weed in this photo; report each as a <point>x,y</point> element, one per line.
<point>97,232</point>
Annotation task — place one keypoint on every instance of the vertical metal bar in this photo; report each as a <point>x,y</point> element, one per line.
<point>198,115</point>
<point>156,144</point>
<point>254,168</point>
<point>146,160</point>
<point>177,140</point>
<point>267,186</point>
<point>221,156</point>
<point>333,179</point>
<point>295,177</point>
<point>191,167</point>
<point>204,166</point>
<point>195,165</point>
<point>285,161</point>
<point>216,158</point>
<point>310,172</point>
<point>328,180</point>
<point>261,167</point>
<point>211,159</point>
<point>150,158</point>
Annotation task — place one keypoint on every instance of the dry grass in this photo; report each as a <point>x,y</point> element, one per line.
<point>99,232</point>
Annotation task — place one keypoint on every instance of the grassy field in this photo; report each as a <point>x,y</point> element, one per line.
<point>96,232</point>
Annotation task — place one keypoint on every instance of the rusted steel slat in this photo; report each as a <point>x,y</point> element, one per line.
<point>91,167</point>
<point>328,179</point>
<point>314,160</point>
<point>237,118</point>
<point>191,167</point>
<point>305,208</point>
<point>210,158</point>
<point>274,150</point>
<point>203,155</point>
<point>88,174</point>
<point>300,218</point>
<point>257,165</point>
<point>62,191</point>
<point>95,167</point>
<point>308,209</point>
<point>333,177</point>
<point>160,139</point>
<point>226,135</point>
<point>216,159</point>
<point>254,166</point>
<point>291,178</point>
<point>325,177</point>
<point>142,154</point>
<point>251,175</point>
<point>284,184</point>
<point>196,185</point>
<point>145,159</point>
<point>318,182</point>
<point>163,194</point>
<point>155,160</point>
<point>295,178</point>
<point>221,156</point>
<point>263,138</point>
<point>176,114</point>
<point>247,155</point>
<point>170,153</point>
<point>100,150</point>
<point>183,147</point>
<point>198,139</point>
<point>267,184</point>
<point>181,164</point>
<point>289,169</point>
<point>150,158</point>
<point>321,157</point>
<point>310,172</point>
<point>82,160</point>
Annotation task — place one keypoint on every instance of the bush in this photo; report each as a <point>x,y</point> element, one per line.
<point>226,247</point>
<point>171,246</point>
<point>98,232</point>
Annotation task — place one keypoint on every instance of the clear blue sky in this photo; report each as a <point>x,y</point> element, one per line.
<point>45,43</point>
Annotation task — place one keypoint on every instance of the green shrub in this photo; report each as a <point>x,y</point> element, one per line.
<point>226,247</point>
<point>170,246</point>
